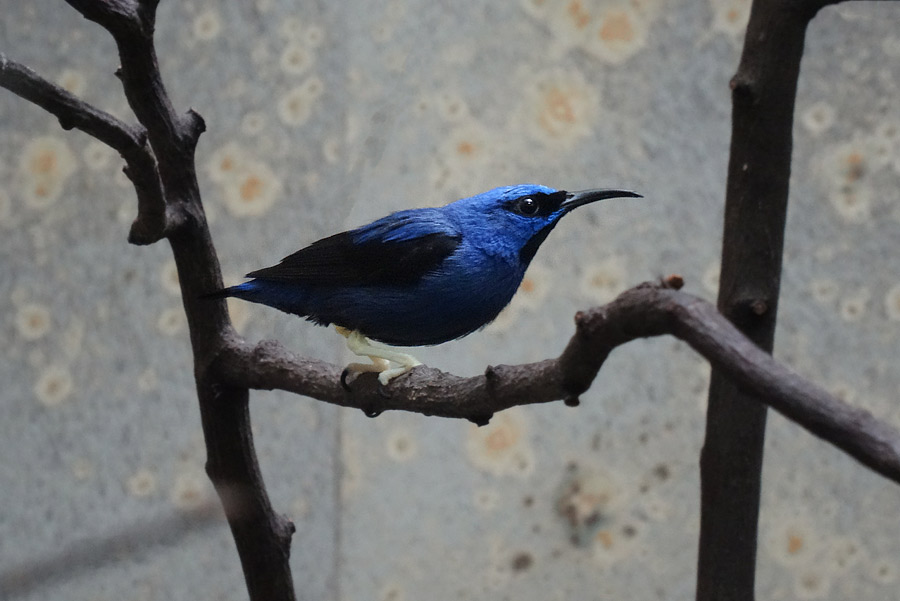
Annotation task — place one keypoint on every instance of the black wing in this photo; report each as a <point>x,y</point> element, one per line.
<point>398,251</point>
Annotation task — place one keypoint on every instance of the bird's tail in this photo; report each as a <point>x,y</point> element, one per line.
<point>246,291</point>
<point>238,291</point>
<point>290,299</point>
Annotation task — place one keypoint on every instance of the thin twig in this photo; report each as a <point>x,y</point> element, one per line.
<point>69,109</point>
<point>153,221</point>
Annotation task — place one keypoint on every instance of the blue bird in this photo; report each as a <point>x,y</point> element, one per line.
<point>417,277</point>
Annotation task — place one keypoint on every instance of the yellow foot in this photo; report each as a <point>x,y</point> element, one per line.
<point>380,356</point>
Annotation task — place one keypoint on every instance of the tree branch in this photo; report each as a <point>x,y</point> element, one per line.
<point>262,536</point>
<point>153,220</point>
<point>69,109</point>
<point>644,311</point>
<point>763,94</point>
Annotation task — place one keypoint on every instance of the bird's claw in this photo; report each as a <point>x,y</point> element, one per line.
<point>355,369</point>
<point>344,384</point>
<point>383,390</point>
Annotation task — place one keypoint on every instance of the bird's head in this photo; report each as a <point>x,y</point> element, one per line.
<point>521,217</point>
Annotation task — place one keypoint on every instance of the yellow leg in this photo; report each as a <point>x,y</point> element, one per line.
<point>380,356</point>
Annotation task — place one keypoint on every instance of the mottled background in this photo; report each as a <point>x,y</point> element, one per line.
<point>324,115</point>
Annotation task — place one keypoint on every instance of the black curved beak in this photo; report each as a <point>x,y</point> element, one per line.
<point>583,197</point>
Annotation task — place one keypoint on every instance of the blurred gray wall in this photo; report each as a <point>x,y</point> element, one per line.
<point>322,116</point>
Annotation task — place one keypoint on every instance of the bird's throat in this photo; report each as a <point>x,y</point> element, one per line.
<point>527,252</point>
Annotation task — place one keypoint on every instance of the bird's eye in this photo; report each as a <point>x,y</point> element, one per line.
<point>527,206</point>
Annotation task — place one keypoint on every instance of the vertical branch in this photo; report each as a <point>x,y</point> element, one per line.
<point>262,536</point>
<point>763,95</point>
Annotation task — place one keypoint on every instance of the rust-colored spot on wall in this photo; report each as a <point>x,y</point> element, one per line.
<point>557,109</point>
<point>251,188</point>
<point>43,163</point>
<point>580,16</point>
<point>605,538</point>
<point>499,439</point>
<point>465,148</point>
<point>617,28</point>
<point>41,191</point>
<point>855,167</point>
